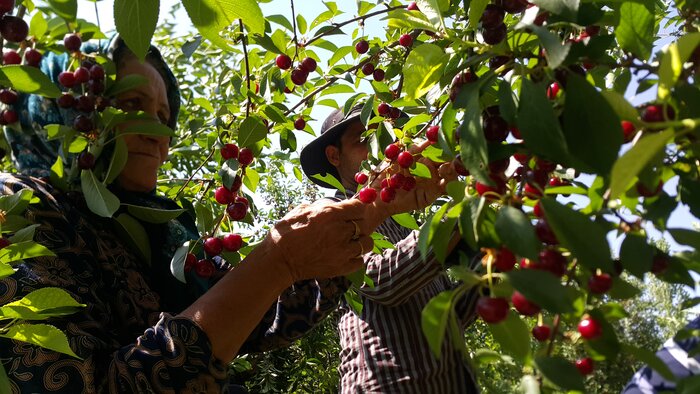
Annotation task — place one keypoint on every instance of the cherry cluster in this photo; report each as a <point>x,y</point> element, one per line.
<point>14,29</point>
<point>213,247</point>
<point>493,29</point>
<point>369,68</point>
<point>395,178</point>
<point>300,73</point>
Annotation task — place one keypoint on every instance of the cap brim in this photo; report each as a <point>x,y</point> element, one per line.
<point>313,156</point>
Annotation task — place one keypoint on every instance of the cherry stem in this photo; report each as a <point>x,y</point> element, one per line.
<point>294,27</point>
<point>177,195</point>
<point>247,69</point>
<point>337,26</point>
<point>555,328</point>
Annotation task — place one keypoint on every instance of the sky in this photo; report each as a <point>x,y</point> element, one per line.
<point>310,8</point>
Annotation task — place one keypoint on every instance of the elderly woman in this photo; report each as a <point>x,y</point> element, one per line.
<point>142,330</point>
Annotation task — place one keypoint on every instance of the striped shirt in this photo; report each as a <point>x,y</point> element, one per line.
<point>383,348</point>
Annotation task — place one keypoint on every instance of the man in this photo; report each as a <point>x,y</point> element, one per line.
<point>383,347</point>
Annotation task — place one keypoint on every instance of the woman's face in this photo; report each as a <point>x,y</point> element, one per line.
<point>146,152</point>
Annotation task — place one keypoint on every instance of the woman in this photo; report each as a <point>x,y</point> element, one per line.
<point>142,330</point>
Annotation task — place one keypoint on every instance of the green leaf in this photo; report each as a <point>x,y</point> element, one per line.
<point>513,336</point>
<point>136,22</point>
<point>472,143</point>
<point>591,127</point>
<point>57,174</point>
<point>38,25</point>
<point>650,358</point>
<point>538,124</point>
<point>78,144</point>
<point>568,9</point>
<point>5,387</point>
<point>576,232</point>
<point>628,166</point>
<point>635,31</point>
<point>23,250</point>
<point>622,290</point>
<point>118,161</point>
<point>420,170</point>
<point>672,61</point>
<point>555,51</point>
<point>686,237</point>
<point>135,234</point>
<point>620,105</point>
<point>14,223</point>
<point>27,79</point>
<point>476,9</point>
<point>367,110</point>
<point>211,17</point>
<point>434,320</point>
<point>431,9</point>
<point>636,254</point>
<point>402,19</point>
<point>549,292</point>
<point>406,220</point>
<point>516,231</point>
<point>427,231</point>
<point>25,234</point>
<point>153,215</point>
<point>126,83</point>
<point>251,131</point>
<point>16,203</point>
<point>251,180</point>
<point>560,372</point>
<point>177,263</point>
<point>423,69</point>
<point>43,335</point>
<point>66,9</point>
<point>331,180</point>
<point>100,200</point>
<point>50,301</point>
<point>443,235</point>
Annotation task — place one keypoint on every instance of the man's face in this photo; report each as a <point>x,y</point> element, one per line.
<point>352,152</point>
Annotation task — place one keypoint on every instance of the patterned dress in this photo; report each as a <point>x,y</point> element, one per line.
<point>129,337</point>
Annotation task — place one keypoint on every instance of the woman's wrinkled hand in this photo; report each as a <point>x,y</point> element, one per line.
<point>322,240</point>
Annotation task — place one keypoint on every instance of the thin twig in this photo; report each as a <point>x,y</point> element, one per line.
<point>211,153</point>
<point>294,27</point>
<point>337,26</point>
<point>247,69</point>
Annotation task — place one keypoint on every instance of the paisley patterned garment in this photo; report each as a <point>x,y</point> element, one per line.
<point>129,337</point>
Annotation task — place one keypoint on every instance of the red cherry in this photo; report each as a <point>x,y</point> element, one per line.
<point>8,96</point>
<point>493,36</point>
<point>308,64</point>
<point>67,79</point>
<point>545,233</point>
<point>362,46</point>
<point>521,158</point>
<point>589,328</point>
<point>81,75</point>
<point>459,167</point>
<point>83,123</point>
<point>85,104</point>
<point>552,261</point>
<point>283,61</point>
<point>499,187</point>
<point>361,178</point>
<point>72,42</point>
<point>660,263</point>
<point>585,366</point>
<point>299,123</point>
<point>204,268</point>
<point>368,195</point>
<point>394,113</point>
<point>13,28</point>
<point>96,86</point>
<point>232,242</point>
<point>245,157</point>
<point>383,109</point>
<point>628,130</point>
<point>384,183</point>
<point>236,185</point>
<point>412,6</point>
<point>241,200</point>
<point>514,6</point>
<point>237,210</point>
<point>505,260</point>
<point>190,262</point>
<point>499,166</point>
<point>405,159</point>
<point>66,100</point>
<point>406,40</point>
<point>523,305</point>
<point>223,196</point>
<point>396,181</point>
<point>97,72</point>
<point>9,116</point>
<point>6,6</point>
<point>32,57</point>
<point>495,129</point>
<point>213,246</point>
<point>229,151</point>
<point>644,191</point>
<point>515,132</point>
<point>368,68</point>
<point>492,16</point>
<point>538,210</point>
<point>553,90</point>
<point>86,161</point>
<point>387,194</point>
<point>392,151</point>
<point>299,76</point>
<point>11,57</point>
<point>492,310</point>
<point>544,166</point>
<point>541,333</point>
<point>378,75</point>
<point>432,133</point>
<point>655,113</point>
<point>600,283</point>
<point>409,183</point>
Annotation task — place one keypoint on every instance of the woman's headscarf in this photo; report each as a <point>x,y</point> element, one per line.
<point>32,153</point>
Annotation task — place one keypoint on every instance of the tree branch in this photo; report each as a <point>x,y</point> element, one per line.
<point>337,26</point>
<point>247,68</point>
